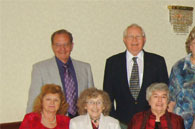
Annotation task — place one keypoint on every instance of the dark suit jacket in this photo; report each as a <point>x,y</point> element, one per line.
<point>116,84</point>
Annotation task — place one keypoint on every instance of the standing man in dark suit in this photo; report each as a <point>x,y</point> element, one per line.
<point>61,70</point>
<point>119,69</point>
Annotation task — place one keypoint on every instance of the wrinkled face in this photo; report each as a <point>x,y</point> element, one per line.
<point>95,107</point>
<point>134,40</point>
<point>192,47</point>
<point>158,101</point>
<point>62,47</point>
<point>51,102</point>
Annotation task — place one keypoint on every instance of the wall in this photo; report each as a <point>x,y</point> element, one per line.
<point>97,28</point>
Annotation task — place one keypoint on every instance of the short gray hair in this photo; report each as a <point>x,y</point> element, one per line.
<point>133,25</point>
<point>156,86</point>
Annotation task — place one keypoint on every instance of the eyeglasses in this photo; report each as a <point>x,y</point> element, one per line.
<point>57,45</point>
<point>131,37</point>
<point>97,103</point>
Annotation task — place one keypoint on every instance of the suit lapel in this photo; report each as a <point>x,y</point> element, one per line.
<point>123,74</point>
<point>88,124</point>
<point>54,72</point>
<point>102,123</point>
<point>79,76</point>
<point>147,65</point>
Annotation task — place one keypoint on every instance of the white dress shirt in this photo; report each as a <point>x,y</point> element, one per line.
<point>129,65</point>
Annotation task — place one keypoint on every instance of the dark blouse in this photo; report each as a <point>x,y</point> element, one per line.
<point>146,120</point>
<point>157,124</point>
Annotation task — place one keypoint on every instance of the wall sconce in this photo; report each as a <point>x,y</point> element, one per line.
<point>181,17</point>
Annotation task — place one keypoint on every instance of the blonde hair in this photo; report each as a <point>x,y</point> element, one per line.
<point>53,89</point>
<point>93,93</point>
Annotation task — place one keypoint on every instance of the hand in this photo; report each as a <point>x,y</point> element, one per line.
<point>171,106</point>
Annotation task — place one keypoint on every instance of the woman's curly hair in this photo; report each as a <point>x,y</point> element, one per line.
<point>53,89</point>
<point>93,93</point>
<point>190,38</point>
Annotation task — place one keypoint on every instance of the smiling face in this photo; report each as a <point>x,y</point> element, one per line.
<point>95,107</point>
<point>158,101</point>
<point>134,40</point>
<point>51,102</point>
<point>62,47</point>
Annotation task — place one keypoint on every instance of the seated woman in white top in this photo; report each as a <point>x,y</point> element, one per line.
<point>94,106</point>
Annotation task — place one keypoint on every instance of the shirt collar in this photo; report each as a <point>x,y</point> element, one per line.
<point>139,55</point>
<point>187,62</point>
<point>89,119</point>
<point>154,117</point>
<point>69,62</point>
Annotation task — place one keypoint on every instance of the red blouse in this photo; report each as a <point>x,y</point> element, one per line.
<point>33,121</point>
<point>137,121</point>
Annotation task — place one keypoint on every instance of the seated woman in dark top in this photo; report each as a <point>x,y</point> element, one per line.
<point>157,117</point>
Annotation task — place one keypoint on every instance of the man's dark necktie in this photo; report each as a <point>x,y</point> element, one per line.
<point>70,91</point>
<point>134,79</point>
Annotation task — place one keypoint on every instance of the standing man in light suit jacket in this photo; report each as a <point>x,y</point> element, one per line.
<point>149,68</point>
<point>53,71</point>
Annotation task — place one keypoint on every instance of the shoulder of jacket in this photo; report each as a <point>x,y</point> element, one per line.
<point>32,115</point>
<point>153,55</point>
<point>44,62</point>
<point>117,56</point>
<point>173,115</point>
<point>111,119</point>
<point>63,117</point>
<point>179,63</point>
<point>79,62</point>
<point>79,118</point>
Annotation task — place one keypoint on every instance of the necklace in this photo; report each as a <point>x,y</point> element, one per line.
<point>95,120</point>
<point>45,120</point>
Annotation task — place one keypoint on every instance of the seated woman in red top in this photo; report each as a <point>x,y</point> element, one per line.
<point>157,117</point>
<point>49,110</point>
